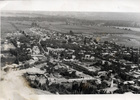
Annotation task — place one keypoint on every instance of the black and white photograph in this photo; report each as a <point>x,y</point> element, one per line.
<point>69,47</point>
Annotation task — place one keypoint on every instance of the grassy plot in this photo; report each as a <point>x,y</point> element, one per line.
<point>63,27</point>
<point>13,26</point>
<point>6,27</point>
<point>124,39</point>
<point>21,25</point>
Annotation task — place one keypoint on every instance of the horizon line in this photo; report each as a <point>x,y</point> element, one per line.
<point>67,11</point>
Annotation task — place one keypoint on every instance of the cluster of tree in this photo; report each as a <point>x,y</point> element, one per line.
<point>88,88</point>
<point>14,42</point>
<point>36,83</point>
<point>121,23</point>
<point>125,77</point>
<point>34,24</point>
<point>20,55</point>
<point>76,88</point>
<point>57,44</point>
<point>24,39</point>
<point>122,88</point>
<point>71,32</point>
<point>88,40</point>
<point>68,75</point>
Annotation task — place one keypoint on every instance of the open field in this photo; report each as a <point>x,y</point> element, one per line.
<point>6,27</point>
<point>64,24</point>
<point>88,29</point>
<point>124,39</point>
<point>60,25</point>
<point>12,26</point>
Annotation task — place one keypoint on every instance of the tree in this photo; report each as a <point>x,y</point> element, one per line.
<point>85,40</point>
<point>13,52</point>
<point>69,40</point>
<point>17,61</point>
<point>95,41</point>
<point>71,32</point>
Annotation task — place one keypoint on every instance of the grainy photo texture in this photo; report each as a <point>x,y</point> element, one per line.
<point>72,47</point>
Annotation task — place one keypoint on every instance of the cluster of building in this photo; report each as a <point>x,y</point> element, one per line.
<point>71,63</point>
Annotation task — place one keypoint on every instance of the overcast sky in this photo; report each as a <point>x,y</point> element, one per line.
<point>72,5</point>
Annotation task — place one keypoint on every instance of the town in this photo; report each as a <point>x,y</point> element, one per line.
<point>70,63</point>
